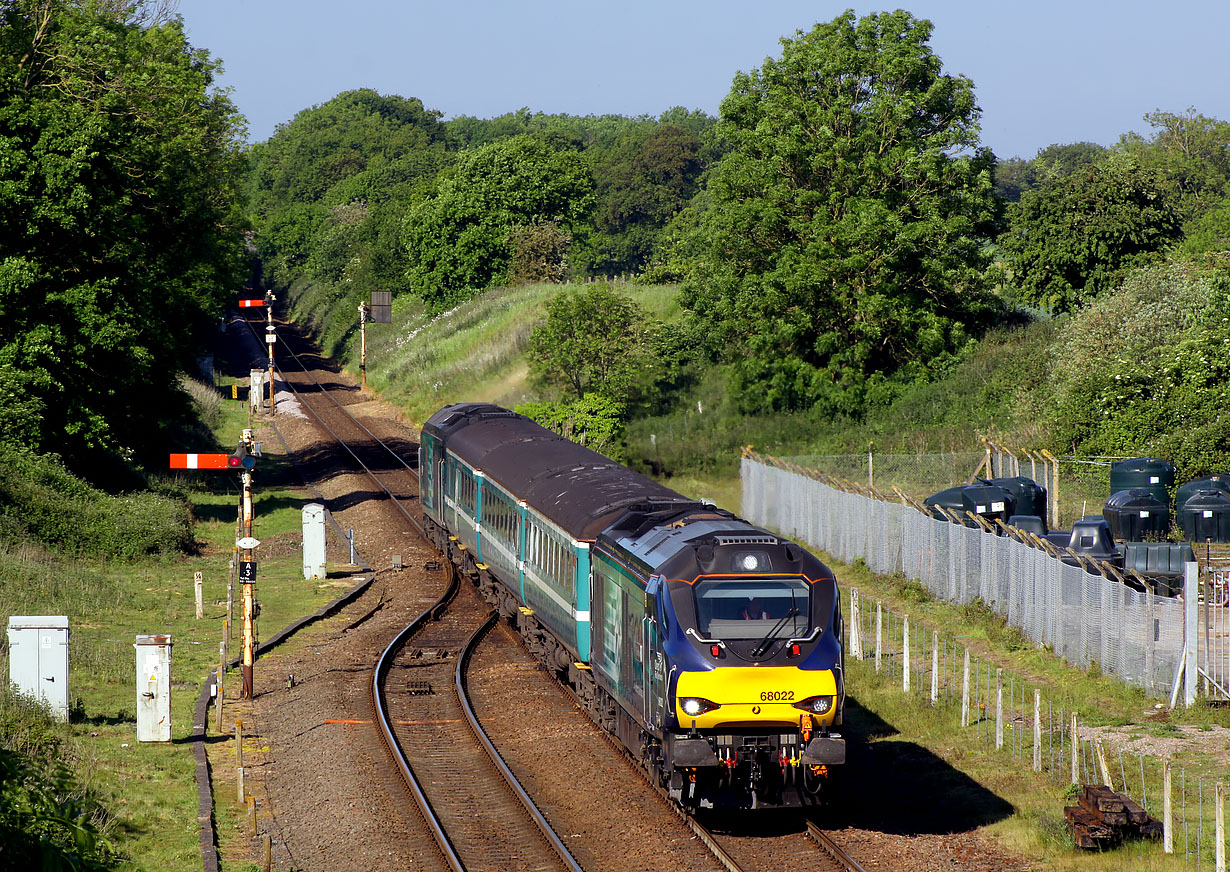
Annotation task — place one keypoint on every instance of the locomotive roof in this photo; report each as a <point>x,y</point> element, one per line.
<point>575,487</point>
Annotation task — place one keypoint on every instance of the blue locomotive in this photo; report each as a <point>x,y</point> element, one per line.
<point>712,649</point>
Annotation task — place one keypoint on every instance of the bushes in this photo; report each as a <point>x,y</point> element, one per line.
<point>47,820</point>
<point>41,500</point>
<point>1144,370</point>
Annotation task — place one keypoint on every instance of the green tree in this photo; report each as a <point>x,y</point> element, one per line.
<point>1189,155</point>
<point>1014,176</point>
<point>640,184</point>
<point>120,226</point>
<point>844,239</point>
<point>458,240</point>
<point>1071,239</point>
<point>591,341</point>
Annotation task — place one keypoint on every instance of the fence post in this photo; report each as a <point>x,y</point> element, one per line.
<point>1191,631</point>
<point>1167,816</point>
<point>1219,821</point>
<point>1074,745</point>
<point>999,709</point>
<point>856,631</point>
<point>935,666</point>
<point>1037,730</point>
<point>905,654</point>
<point>965,692</point>
<point>1103,767</point>
<point>879,633</point>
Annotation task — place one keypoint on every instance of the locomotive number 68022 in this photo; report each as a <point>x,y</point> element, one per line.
<point>776,695</point>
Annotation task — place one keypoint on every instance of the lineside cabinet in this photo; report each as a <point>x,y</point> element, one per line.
<point>38,659</point>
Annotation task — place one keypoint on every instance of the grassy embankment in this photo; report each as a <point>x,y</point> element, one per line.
<point>474,353</point>
<point>116,566</point>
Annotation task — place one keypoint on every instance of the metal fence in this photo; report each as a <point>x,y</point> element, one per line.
<point>1084,618</point>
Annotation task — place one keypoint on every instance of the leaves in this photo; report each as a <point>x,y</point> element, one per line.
<point>121,233</point>
<point>843,242</point>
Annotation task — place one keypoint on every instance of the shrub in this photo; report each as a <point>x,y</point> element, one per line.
<point>42,500</point>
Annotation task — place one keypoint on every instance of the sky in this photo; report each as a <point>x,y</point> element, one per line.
<point>1044,71</point>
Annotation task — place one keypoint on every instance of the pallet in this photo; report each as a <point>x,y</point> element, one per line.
<point>1104,818</point>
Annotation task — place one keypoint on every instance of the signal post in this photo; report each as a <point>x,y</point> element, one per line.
<point>244,459</point>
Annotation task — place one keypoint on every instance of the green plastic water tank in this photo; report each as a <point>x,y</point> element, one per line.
<point>1149,473</point>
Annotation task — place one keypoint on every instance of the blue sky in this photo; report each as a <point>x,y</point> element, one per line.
<point>1044,71</point>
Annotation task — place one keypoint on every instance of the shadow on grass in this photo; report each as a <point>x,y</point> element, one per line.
<point>901,787</point>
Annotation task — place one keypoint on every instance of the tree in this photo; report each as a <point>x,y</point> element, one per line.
<point>1190,157</point>
<point>120,230</point>
<point>643,182</point>
<point>1071,239</point>
<point>458,239</point>
<point>843,242</point>
<point>591,341</point>
<point>1014,177</point>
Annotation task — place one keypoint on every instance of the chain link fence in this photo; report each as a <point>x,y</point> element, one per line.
<point>1084,618</point>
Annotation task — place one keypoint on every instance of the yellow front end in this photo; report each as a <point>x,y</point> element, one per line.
<point>751,696</point>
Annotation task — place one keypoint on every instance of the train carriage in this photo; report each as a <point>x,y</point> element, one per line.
<point>711,648</point>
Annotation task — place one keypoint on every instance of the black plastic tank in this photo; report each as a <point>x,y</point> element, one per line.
<point>1205,516</point>
<point>1028,496</point>
<point>1029,523</point>
<point>988,500</point>
<point>1135,515</point>
<point>982,499</point>
<point>1090,537</point>
<point>949,498</point>
<point>1156,476</point>
<point>1209,482</point>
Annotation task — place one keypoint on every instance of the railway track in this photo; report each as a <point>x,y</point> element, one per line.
<point>437,729</point>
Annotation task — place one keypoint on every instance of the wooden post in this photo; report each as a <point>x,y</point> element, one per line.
<point>879,633</point>
<point>239,788</point>
<point>1037,731</point>
<point>999,709</point>
<point>1219,823</point>
<point>935,666</point>
<point>198,582</point>
<point>239,743</point>
<point>1074,745</point>
<point>252,815</point>
<point>1103,766</point>
<point>1167,811</point>
<point>856,629</point>
<point>268,865</point>
<point>965,692</point>
<point>905,654</point>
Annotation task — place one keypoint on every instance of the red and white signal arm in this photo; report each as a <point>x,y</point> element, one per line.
<point>251,304</point>
<point>200,461</point>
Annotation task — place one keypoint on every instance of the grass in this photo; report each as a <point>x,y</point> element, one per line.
<point>150,788</point>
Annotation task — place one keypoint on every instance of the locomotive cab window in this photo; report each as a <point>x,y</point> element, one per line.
<point>753,608</point>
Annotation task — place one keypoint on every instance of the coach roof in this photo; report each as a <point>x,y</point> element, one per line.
<point>575,487</point>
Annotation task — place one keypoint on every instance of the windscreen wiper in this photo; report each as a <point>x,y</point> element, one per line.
<point>763,645</point>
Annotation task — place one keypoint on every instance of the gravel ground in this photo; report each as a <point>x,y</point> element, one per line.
<point>323,792</point>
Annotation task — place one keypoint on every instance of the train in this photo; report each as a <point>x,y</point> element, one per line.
<point>711,649</point>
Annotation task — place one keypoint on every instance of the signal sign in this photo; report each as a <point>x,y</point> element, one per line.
<point>247,571</point>
<point>200,461</point>
<point>251,304</point>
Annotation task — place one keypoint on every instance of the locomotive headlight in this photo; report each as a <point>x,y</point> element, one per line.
<point>693,706</point>
<point>818,705</point>
<point>751,561</point>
